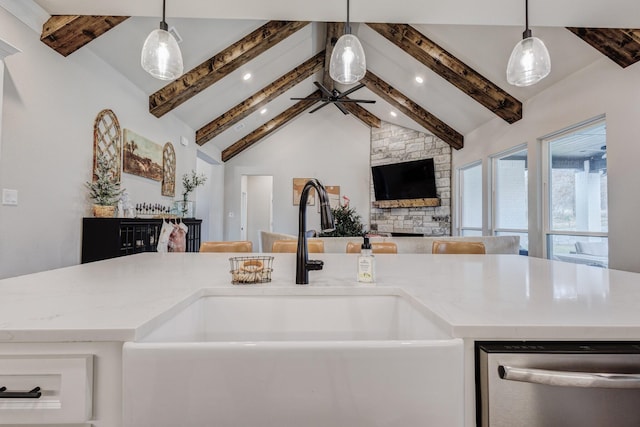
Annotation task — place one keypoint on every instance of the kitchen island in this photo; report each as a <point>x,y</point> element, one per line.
<point>94,308</point>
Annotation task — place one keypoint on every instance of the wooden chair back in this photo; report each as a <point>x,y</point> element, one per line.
<point>457,247</point>
<point>313,246</point>
<point>376,248</point>
<point>232,246</point>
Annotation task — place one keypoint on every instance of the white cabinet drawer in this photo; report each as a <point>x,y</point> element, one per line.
<point>65,384</point>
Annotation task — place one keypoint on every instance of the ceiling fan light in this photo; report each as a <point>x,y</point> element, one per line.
<point>347,64</point>
<point>161,56</point>
<point>529,62</point>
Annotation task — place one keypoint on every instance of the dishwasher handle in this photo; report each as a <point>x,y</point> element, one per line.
<point>568,378</point>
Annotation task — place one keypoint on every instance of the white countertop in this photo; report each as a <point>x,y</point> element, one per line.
<point>477,296</point>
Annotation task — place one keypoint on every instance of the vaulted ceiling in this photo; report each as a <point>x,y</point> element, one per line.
<point>463,66</point>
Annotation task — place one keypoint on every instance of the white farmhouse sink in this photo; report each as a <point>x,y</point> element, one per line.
<point>302,357</point>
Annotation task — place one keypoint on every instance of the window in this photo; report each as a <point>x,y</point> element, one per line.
<point>470,200</point>
<point>576,220</point>
<point>510,195</point>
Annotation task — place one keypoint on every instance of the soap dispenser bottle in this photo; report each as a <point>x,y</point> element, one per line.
<point>366,263</point>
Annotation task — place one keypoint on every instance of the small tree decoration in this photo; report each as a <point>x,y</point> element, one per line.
<point>189,184</point>
<point>347,222</point>
<point>104,190</point>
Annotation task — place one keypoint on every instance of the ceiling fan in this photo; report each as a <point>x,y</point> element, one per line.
<point>335,97</point>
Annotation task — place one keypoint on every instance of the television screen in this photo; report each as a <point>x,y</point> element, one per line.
<point>406,180</point>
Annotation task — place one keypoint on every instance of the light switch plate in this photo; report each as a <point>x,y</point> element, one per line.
<point>9,197</point>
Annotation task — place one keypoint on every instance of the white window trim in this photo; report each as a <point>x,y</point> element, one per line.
<point>546,194</point>
<point>492,194</point>
<point>458,217</point>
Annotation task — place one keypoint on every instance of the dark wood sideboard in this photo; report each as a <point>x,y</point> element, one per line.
<point>104,238</point>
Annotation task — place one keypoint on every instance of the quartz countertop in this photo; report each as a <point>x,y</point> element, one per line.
<point>474,296</point>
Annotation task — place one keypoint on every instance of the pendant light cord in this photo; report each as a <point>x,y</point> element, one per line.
<point>163,23</point>
<point>527,32</point>
<point>348,29</point>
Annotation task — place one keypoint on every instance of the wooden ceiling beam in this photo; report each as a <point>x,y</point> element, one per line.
<point>222,64</point>
<point>260,98</point>
<point>269,127</point>
<point>452,69</point>
<point>334,31</point>
<point>620,45</point>
<point>67,33</point>
<point>413,110</point>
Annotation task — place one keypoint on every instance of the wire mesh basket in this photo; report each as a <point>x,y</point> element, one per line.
<point>251,269</point>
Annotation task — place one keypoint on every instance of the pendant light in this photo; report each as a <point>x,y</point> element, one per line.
<point>161,56</point>
<point>529,62</point>
<point>347,64</point>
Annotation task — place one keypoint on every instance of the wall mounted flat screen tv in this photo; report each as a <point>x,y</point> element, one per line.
<point>406,180</point>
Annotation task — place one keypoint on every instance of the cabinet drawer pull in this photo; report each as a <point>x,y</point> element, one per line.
<point>32,394</point>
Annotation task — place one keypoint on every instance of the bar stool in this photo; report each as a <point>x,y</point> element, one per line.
<point>376,248</point>
<point>313,245</point>
<point>232,246</point>
<point>457,247</point>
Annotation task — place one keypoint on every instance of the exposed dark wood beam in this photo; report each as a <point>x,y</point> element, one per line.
<point>620,45</point>
<point>260,98</point>
<point>269,127</point>
<point>228,60</point>
<point>67,33</point>
<point>452,69</point>
<point>412,110</point>
<point>334,31</point>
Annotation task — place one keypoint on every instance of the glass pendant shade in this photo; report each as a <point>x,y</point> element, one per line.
<point>161,56</point>
<point>529,62</point>
<point>348,64</point>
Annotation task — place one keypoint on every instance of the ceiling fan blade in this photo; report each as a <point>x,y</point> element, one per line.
<point>308,99</point>
<point>364,101</point>
<point>324,90</point>
<point>341,108</point>
<point>353,89</point>
<point>324,104</point>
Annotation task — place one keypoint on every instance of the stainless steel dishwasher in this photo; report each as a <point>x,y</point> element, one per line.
<point>564,384</point>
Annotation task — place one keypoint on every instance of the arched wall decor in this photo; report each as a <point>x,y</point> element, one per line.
<point>107,138</point>
<point>168,170</point>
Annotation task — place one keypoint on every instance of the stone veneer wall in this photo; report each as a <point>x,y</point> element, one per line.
<point>394,144</point>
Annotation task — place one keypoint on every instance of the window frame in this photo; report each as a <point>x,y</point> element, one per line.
<point>460,228</point>
<point>546,171</point>
<point>494,230</point>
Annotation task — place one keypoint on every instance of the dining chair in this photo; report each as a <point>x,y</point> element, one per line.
<point>231,246</point>
<point>457,247</point>
<point>376,248</point>
<point>313,246</point>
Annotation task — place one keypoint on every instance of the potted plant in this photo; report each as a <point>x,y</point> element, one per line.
<point>347,222</point>
<point>189,184</point>
<point>104,190</point>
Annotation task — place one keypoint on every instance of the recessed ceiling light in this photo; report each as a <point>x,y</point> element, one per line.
<point>263,111</point>
<point>419,80</point>
<point>393,114</point>
<point>246,76</point>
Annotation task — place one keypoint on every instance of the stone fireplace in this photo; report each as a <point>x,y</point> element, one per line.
<point>394,144</point>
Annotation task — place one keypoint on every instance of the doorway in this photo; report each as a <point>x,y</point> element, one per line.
<point>257,207</point>
<point>209,197</point>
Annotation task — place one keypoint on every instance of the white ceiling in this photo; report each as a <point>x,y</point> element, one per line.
<point>481,36</point>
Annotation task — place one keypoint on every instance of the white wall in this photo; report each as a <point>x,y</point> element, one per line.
<point>50,104</point>
<point>602,88</point>
<point>326,145</point>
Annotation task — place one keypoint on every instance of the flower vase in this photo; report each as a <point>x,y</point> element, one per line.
<point>184,208</point>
